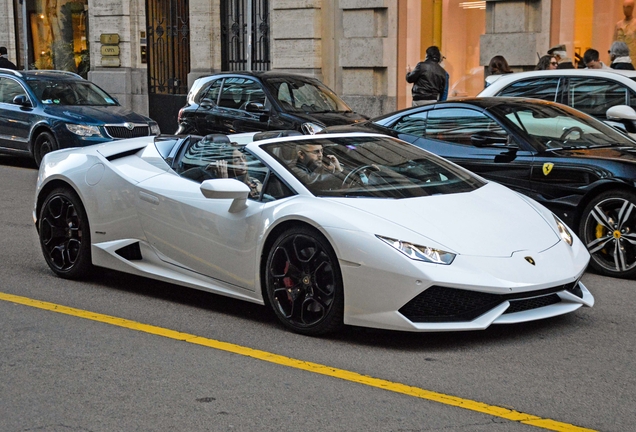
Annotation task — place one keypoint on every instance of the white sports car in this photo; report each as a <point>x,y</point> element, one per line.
<point>332,229</point>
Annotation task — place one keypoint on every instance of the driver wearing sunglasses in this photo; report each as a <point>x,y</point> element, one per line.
<point>312,166</point>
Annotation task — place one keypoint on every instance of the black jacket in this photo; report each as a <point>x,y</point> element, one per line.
<point>7,64</point>
<point>429,80</point>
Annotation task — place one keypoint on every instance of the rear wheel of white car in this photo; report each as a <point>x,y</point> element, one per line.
<point>64,234</point>
<point>608,229</point>
<point>44,143</point>
<point>304,283</point>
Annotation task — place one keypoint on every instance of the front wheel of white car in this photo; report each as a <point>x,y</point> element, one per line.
<point>64,234</point>
<point>304,283</point>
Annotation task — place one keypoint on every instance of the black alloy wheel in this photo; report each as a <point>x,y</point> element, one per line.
<point>608,229</point>
<point>44,143</point>
<point>64,234</point>
<point>304,283</point>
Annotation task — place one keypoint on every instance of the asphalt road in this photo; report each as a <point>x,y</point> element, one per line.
<point>73,372</point>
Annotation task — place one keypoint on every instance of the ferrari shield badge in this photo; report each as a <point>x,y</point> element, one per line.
<point>529,258</point>
<point>547,167</point>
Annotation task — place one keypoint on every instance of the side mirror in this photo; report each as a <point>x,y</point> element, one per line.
<point>484,139</point>
<point>255,107</point>
<point>227,189</point>
<point>621,112</point>
<point>622,117</point>
<point>22,100</point>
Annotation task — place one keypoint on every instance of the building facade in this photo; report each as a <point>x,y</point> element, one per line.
<point>147,53</point>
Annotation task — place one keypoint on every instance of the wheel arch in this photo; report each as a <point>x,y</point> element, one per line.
<point>267,244</point>
<point>45,191</point>
<point>37,130</point>
<point>592,194</point>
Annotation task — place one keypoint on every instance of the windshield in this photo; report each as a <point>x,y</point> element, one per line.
<point>379,167</point>
<point>557,127</point>
<point>305,95</point>
<point>66,92</point>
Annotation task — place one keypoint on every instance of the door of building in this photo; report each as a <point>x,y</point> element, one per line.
<point>168,54</point>
<point>240,18</point>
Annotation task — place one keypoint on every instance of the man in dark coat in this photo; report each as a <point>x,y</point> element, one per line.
<point>429,78</point>
<point>4,60</point>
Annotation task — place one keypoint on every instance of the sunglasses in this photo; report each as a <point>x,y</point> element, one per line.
<point>316,152</point>
<point>554,63</point>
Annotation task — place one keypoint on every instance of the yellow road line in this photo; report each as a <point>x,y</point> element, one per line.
<point>468,404</point>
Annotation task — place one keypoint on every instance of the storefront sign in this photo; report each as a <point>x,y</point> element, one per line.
<point>110,61</point>
<point>109,38</point>
<point>110,50</point>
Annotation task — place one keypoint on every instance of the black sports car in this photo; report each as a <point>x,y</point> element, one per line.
<point>578,167</point>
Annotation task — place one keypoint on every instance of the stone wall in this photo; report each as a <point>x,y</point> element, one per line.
<point>129,82</point>
<point>350,45</point>
<point>518,30</point>
<point>7,29</point>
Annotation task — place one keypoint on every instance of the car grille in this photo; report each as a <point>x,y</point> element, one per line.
<point>121,131</point>
<point>441,304</point>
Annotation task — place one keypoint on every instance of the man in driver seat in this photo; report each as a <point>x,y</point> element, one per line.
<point>311,167</point>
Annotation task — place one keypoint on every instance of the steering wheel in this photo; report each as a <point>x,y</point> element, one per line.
<point>359,172</point>
<point>569,130</point>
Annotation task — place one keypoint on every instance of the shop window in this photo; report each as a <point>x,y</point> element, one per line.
<point>59,35</point>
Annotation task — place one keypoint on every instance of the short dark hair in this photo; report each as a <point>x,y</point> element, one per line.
<point>433,53</point>
<point>590,55</point>
<point>3,50</point>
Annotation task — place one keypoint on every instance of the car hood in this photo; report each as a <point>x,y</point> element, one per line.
<point>491,221</point>
<point>96,115</point>
<point>332,118</point>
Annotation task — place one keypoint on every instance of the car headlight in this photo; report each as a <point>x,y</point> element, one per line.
<point>84,130</point>
<point>154,129</point>
<point>311,128</point>
<point>564,233</point>
<point>420,253</point>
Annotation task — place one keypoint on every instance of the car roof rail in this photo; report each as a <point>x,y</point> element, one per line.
<point>63,72</point>
<point>11,71</point>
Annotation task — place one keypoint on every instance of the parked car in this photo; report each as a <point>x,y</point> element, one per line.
<point>395,238</point>
<point>235,102</point>
<point>578,167</point>
<point>593,91</point>
<point>46,110</point>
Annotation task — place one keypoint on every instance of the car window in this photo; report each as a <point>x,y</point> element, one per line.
<point>214,156</point>
<point>459,125</point>
<point>211,93</point>
<point>537,88</point>
<point>595,96</point>
<point>414,124</point>
<point>305,95</point>
<point>66,92</point>
<point>9,89</point>
<point>372,166</point>
<point>238,92</point>
<point>557,127</point>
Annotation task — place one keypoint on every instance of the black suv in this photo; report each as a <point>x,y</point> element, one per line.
<point>234,102</point>
<point>45,110</point>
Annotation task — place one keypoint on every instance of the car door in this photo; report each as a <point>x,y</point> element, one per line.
<point>455,133</point>
<point>15,120</point>
<point>230,114</point>
<point>198,233</point>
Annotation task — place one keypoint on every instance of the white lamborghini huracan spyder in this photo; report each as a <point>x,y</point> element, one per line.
<point>329,229</point>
